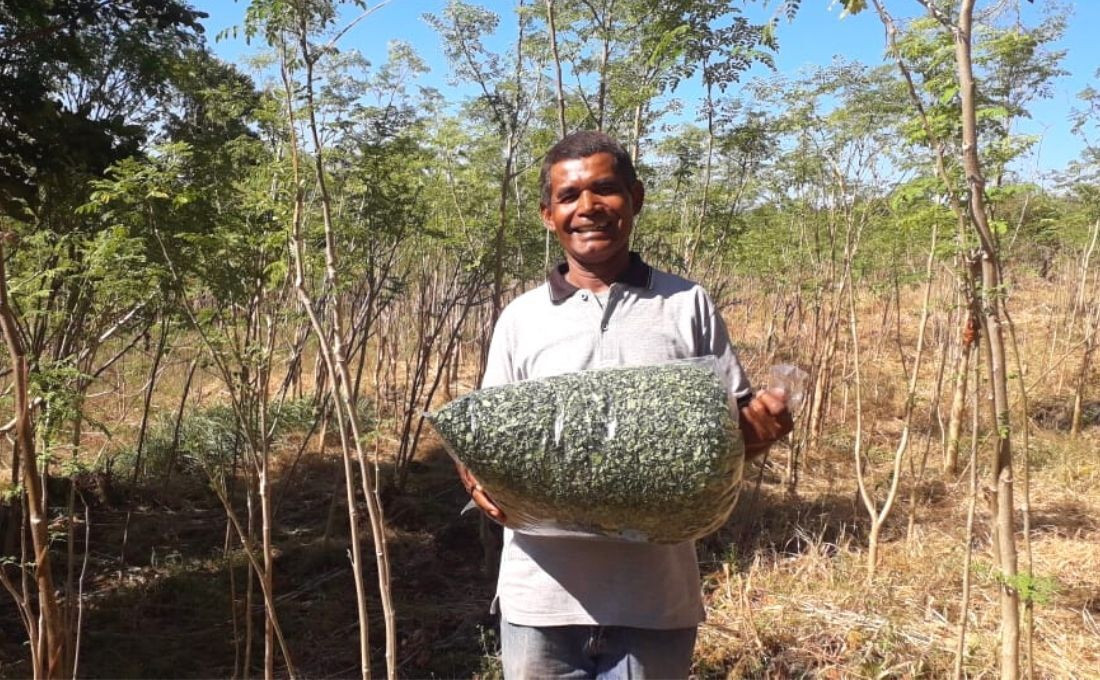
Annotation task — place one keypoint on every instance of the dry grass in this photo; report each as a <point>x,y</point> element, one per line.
<point>784,609</point>
<point>787,591</point>
<point>784,582</point>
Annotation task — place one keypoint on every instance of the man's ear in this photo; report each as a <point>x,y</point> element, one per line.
<point>637,195</point>
<point>544,212</point>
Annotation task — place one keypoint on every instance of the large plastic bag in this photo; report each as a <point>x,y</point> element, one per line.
<point>647,453</point>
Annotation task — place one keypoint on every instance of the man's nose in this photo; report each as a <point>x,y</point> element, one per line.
<point>586,202</point>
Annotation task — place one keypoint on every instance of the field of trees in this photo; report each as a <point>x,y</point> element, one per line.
<point>229,292</point>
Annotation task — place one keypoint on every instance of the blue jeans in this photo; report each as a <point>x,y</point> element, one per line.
<point>606,652</point>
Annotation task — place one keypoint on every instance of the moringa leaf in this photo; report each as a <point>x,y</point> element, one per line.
<point>645,453</point>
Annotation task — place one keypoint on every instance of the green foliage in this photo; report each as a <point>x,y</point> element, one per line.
<point>853,6</point>
<point>75,79</point>
<point>59,385</point>
<point>210,440</point>
<point>293,415</point>
<point>1032,588</point>
<point>94,273</point>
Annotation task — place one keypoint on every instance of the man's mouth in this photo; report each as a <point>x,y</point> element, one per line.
<point>588,229</point>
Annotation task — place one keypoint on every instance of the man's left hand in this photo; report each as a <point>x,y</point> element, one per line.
<point>765,420</point>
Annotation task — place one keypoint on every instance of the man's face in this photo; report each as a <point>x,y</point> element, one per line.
<point>591,209</point>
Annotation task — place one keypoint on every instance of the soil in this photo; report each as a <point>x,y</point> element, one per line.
<point>158,584</point>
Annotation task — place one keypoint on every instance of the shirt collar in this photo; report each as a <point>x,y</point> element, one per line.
<point>637,274</point>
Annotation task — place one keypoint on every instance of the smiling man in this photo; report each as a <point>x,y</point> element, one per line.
<point>582,607</point>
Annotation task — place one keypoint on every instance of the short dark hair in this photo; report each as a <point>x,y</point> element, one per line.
<point>582,144</point>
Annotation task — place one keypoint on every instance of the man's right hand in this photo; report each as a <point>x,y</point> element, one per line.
<point>480,496</point>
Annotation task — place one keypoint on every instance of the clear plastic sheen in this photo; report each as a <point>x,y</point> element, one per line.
<point>793,381</point>
<point>644,453</point>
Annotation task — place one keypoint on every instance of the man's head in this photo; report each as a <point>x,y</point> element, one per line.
<point>590,195</point>
<point>582,144</point>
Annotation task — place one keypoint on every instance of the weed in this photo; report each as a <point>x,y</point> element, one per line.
<point>293,415</point>
<point>209,439</point>
<point>492,668</point>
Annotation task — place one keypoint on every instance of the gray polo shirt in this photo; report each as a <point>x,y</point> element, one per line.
<point>646,317</point>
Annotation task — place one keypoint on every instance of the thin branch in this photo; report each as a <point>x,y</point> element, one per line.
<point>366,13</point>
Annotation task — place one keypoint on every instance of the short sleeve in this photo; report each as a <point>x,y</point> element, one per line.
<point>499,365</point>
<point>715,340</point>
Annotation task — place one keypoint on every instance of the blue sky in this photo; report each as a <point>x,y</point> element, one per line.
<point>817,35</point>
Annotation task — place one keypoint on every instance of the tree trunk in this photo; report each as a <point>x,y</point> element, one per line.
<point>179,422</point>
<point>636,142</point>
<point>1091,322</point>
<point>605,59</point>
<point>993,336</point>
<point>52,631</point>
<point>968,344</point>
<point>697,235</point>
<point>958,402</point>
<point>144,428</point>
<point>968,549</point>
<point>557,66</point>
<point>335,358</point>
<point>1091,319</point>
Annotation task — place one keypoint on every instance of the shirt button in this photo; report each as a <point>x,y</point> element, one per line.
<point>584,296</point>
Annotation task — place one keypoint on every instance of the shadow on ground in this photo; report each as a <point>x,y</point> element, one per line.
<point>163,600</point>
<point>1057,414</point>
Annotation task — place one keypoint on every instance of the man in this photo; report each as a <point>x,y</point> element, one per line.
<point>578,607</point>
